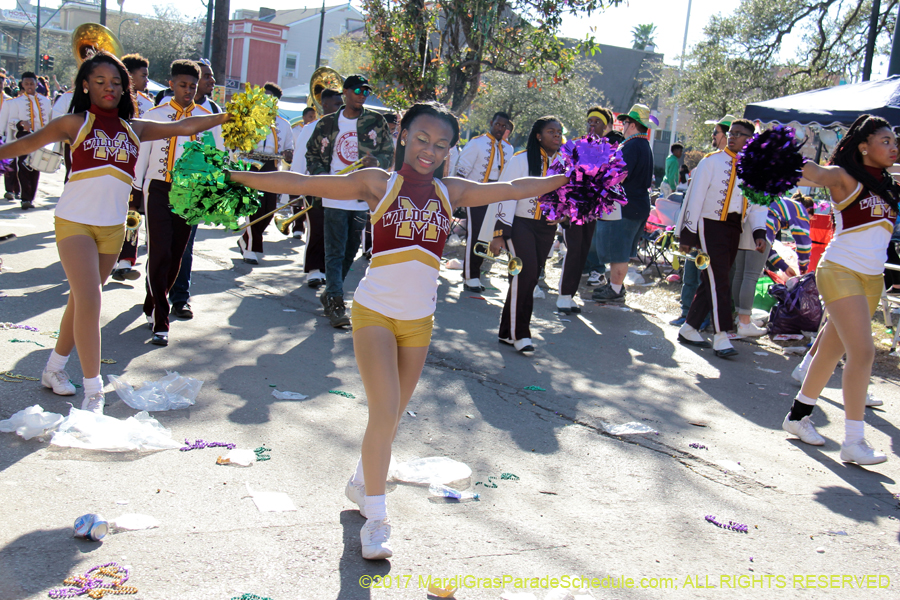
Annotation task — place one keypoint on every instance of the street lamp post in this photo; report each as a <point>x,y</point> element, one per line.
<point>135,21</point>
<point>687,23</point>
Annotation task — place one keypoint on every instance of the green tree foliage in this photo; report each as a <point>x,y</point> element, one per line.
<point>441,50</point>
<point>741,58</point>
<point>350,55</point>
<point>643,36</point>
<point>525,100</point>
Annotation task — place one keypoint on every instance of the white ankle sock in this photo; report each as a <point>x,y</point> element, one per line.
<point>376,508</point>
<point>808,400</point>
<point>617,287</point>
<point>853,431</point>
<point>358,476</point>
<point>56,362</point>
<point>92,385</point>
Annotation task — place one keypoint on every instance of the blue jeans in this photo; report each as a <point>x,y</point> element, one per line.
<point>689,283</point>
<point>181,290</point>
<point>343,234</point>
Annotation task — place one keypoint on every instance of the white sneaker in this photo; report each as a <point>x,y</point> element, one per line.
<point>873,401</point>
<point>94,403</point>
<point>356,492</point>
<point>538,292</point>
<point>750,330</point>
<point>595,279</point>
<point>298,235</point>
<point>799,372</point>
<point>861,453</point>
<point>523,345</point>
<point>803,429</point>
<point>58,381</point>
<point>375,537</point>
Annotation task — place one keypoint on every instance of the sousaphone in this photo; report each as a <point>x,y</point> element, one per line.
<point>90,38</point>
<point>323,78</point>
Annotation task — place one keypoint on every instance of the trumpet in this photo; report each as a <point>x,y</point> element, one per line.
<point>132,224</point>
<point>283,224</point>
<point>669,243</point>
<point>513,264</point>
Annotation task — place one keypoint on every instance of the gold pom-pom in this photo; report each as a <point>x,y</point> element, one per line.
<point>252,113</point>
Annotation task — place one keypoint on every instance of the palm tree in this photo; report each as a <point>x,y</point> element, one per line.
<point>643,36</point>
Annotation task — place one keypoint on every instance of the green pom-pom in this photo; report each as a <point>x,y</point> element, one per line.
<point>201,190</point>
<point>755,196</point>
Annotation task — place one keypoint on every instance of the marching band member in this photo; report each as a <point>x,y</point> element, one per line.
<point>481,159</point>
<point>91,211</point>
<point>9,178</point>
<point>308,116</point>
<point>850,278</point>
<point>168,232</point>
<point>29,112</point>
<point>279,141</point>
<point>529,235</point>
<point>138,68</point>
<point>578,238</point>
<point>711,218</point>
<point>394,305</point>
<point>314,252</point>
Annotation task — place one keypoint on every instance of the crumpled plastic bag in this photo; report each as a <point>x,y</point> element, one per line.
<point>90,431</point>
<point>172,392</point>
<point>627,428</point>
<point>133,522</point>
<point>434,469</point>
<point>31,422</point>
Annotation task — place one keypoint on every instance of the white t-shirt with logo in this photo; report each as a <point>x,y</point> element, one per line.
<point>344,154</point>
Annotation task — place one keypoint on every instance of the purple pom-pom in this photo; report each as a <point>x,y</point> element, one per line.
<point>6,165</point>
<point>771,163</point>
<point>595,170</point>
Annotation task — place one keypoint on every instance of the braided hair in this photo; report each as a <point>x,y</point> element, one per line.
<point>847,156</point>
<point>533,148</point>
<point>432,109</point>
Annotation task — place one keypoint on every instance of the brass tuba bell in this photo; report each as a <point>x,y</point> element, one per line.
<point>132,224</point>
<point>89,38</point>
<point>323,78</point>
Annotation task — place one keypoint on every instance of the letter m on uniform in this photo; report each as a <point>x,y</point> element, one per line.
<point>118,146</point>
<point>419,220</point>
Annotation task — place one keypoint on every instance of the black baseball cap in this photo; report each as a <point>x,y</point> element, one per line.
<point>357,81</point>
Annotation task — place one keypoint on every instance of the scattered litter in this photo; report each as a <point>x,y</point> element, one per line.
<point>729,464</point>
<point>549,493</point>
<point>289,395</point>
<point>271,501</point>
<point>90,431</point>
<point>673,278</point>
<point>783,394</point>
<point>201,444</point>
<point>454,263</point>
<point>773,371</point>
<point>509,477</point>
<point>641,332</point>
<point>17,326</point>
<point>698,446</point>
<point>411,413</point>
<point>470,416</point>
<point>837,532</point>
<point>434,469</point>
<point>783,337</point>
<point>615,306</point>
<point>93,584</point>
<point>134,522</point>
<point>107,361</point>
<point>437,489</point>
<point>734,336</point>
<point>733,526</point>
<point>172,392</point>
<point>761,353</point>
<point>10,377</point>
<point>31,422</point>
<point>53,334</point>
<point>820,550</point>
<point>15,340</point>
<point>698,423</point>
<point>538,293</point>
<point>249,597</point>
<point>238,457</point>
<point>121,502</point>
<point>261,455</point>
<point>454,240</point>
<point>632,278</point>
<point>534,388</point>
<point>289,310</point>
<point>628,428</point>
<point>273,385</point>
<point>340,393</point>
<point>794,349</point>
<point>565,320</point>
<point>440,592</point>
<point>477,297</point>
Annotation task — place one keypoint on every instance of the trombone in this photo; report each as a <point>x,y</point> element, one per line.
<point>513,264</point>
<point>669,243</point>
<point>284,222</point>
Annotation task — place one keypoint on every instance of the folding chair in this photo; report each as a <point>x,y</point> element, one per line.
<point>886,303</point>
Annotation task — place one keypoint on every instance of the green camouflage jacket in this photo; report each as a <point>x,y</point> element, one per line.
<point>373,137</point>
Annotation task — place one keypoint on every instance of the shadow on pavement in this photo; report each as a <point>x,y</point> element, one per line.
<point>357,573</point>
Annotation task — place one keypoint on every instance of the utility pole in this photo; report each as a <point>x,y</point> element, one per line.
<point>220,38</point>
<point>894,64</point>
<point>687,23</point>
<point>321,28</point>
<point>207,36</point>
<point>103,12</point>
<point>37,40</point>
<point>870,43</point>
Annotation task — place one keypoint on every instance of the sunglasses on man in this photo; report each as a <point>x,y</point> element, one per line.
<point>361,91</point>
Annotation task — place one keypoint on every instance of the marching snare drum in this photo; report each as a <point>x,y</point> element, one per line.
<point>44,160</point>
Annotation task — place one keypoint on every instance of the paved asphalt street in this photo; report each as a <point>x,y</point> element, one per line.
<point>625,511</point>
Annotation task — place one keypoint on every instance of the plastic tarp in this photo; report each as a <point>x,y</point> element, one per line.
<point>832,106</point>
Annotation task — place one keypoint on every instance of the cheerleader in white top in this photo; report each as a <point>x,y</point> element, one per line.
<point>850,278</point>
<point>90,213</point>
<point>394,305</point>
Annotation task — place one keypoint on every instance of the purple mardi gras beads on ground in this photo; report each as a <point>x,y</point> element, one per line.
<point>200,444</point>
<point>595,170</point>
<point>732,525</point>
<point>770,164</point>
